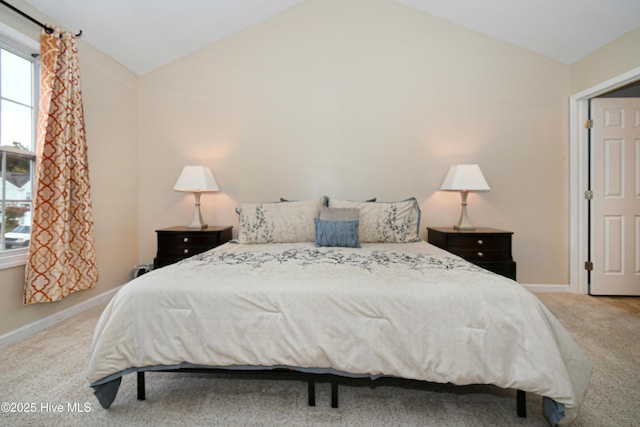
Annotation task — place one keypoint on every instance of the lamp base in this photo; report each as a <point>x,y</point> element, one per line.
<point>197,227</point>
<point>463,223</point>
<point>464,227</point>
<point>197,223</point>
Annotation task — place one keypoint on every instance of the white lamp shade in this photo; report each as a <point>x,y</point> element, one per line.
<point>196,179</point>
<point>465,178</point>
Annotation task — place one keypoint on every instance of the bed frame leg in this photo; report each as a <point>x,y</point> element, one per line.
<point>311,388</point>
<point>521,403</point>
<point>141,390</point>
<point>334,393</point>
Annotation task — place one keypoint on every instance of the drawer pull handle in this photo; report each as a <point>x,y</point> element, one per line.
<point>480,242</point>
<point>186,239</point>
<point>480,254</point>
<point>186,251</point>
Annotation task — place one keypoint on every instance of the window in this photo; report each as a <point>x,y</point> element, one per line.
<point>18,120</point>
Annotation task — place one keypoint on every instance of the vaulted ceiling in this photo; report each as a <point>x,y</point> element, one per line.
<point>146,34</point>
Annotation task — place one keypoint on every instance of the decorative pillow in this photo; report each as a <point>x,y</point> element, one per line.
<point>278,222</point>
<point>325,200</point>
<point>282,199</point>
<point>339,214</point>
<point>385,222</point>
<point>337,233</point>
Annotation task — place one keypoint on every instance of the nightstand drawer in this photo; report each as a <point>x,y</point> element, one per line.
<point>507,269</point>
<point>481,242</point>
<point>172,243</point>
<point>182,251</point>
<point>480,254</point>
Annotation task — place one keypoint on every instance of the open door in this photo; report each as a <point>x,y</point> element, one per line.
<point>615,203</point>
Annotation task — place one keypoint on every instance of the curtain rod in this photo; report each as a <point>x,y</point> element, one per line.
<point>48,29</point>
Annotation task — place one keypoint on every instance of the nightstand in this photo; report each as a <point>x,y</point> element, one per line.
<point>177,243</point>
<point>488,248</point>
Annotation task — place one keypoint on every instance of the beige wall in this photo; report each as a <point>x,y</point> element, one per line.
<point>111,113</point>
<point>612,60</point>
<point>364,98</point>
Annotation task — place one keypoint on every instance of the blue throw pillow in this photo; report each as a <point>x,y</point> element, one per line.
<point>337,233</point>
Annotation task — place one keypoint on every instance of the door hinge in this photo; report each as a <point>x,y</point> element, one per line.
<point>588,194</point>
<point>588,124</point>
<point>588,265</point>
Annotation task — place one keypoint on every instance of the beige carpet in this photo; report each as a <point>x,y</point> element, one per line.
<point>45,374</point>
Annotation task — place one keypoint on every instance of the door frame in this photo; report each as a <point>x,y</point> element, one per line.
<point>578,176</point>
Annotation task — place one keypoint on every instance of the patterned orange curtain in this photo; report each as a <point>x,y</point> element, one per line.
<point>61,254</point>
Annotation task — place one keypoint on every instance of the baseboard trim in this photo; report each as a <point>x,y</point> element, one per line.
<point>548,288</point>
<point>46,322</point>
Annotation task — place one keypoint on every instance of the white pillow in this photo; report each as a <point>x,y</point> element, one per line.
<point>286,222</point>
<point>385,222</point>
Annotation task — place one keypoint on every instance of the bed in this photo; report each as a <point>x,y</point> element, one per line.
<point>307,287</point>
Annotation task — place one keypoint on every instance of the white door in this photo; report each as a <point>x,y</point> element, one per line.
<point>615,207</point>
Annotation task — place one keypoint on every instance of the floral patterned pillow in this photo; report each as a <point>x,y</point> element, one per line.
<point>278,222</point>
<point>385,222</point>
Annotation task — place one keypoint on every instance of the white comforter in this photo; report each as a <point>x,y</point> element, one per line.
<point>408,310</point>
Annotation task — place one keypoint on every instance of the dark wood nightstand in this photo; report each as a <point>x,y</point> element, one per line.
<point>488,248</point>
<point>177,243</point>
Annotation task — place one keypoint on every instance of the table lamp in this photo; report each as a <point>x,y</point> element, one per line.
<point>464,178</point>
<point>196,180</point>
